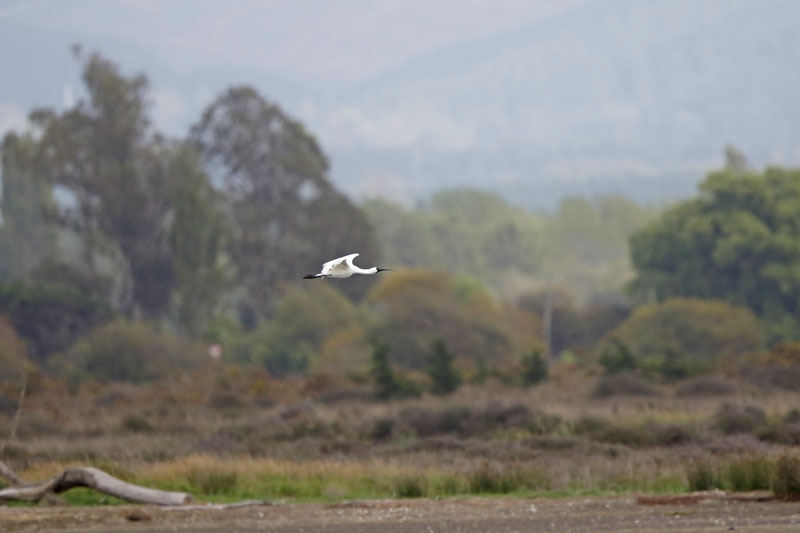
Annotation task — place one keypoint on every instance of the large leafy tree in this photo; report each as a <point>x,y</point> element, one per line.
<point>702,332</point>
<point>413,309</point>
<point>197,236</point>
<point>286,215</point>
<point>463,231</point>
<point>737,241</point>
<point>26,235</point>
<point>104,154</point>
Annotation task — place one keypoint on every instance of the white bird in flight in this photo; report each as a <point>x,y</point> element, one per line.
<point>343,267</point>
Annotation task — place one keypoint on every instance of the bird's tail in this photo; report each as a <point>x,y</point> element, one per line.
<point>313,276</point>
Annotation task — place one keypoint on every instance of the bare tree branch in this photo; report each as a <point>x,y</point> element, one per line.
<point>95,479</point>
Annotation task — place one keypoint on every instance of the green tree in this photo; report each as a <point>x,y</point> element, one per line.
<point>50,317</point>
<point>443,374</point>
<point>197,237</point>
<point>305,316</point>
<point>285,213</point>
<point>586,243</point>
<point>737,241</point>
<point>106,157</point>
<point>617,357</point>
<point>14,361</point>
<point>413,308</point>
<point>386,383</point>
<point>464,231</point>
<point>699,333</point>
<point>27,234</point>
<point>132,352</point>
<point>534,367</point>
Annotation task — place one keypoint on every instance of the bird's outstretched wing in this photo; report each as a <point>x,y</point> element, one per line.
<point>331,265</point>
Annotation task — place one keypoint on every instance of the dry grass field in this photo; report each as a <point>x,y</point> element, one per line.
<point>233,436</point>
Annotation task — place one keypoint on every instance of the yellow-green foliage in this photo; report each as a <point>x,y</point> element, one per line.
<point>415,307</point>
<point>306,318</point>
<point>703,331</point>
<point>130,351</point>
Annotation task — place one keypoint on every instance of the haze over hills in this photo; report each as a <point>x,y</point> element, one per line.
<point>538,101</point>
<point>614,95</point>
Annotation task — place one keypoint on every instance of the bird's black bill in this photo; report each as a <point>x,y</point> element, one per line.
<point>386,269</point>
<point>312,276</point>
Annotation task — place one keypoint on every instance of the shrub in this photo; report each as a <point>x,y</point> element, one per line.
<point>136,424</point>
<point>588,425</point>
<point>623,384</point>
<point>730,419</point>
<point>617,357</point>
<point>411,486</point>
<point>440,368</point>
<point>133,352</point>
<point>703,332</point>
<point>702,475</point>
<point>775,377</point>
<point>786,431</point>
<point>448,420</point>
<point>747,474</point>
<point>534,368</point>
<point>225,400</point>
<point>670,434</point>
<point>488,478</point>
<point>414,308</point>
<point>496,417</point>
<point>13,359</point>
<point>50,317</point>
<point>303,320</point>
<point>381,429</point>
<point>786,478</point>
<point>388,384</point>
<point>626,435</point>
<point>705,386</point>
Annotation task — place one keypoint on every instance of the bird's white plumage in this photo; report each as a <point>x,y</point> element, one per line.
<point>343,267</point>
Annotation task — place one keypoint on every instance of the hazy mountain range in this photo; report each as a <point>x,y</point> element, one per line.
<point>533,100</point>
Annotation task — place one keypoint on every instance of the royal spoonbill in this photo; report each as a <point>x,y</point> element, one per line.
<point>343,267</point>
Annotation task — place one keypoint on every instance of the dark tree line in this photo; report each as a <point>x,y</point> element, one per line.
<point>738,240</point>
<point>176,231</point>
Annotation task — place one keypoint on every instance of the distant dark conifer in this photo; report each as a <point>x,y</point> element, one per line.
<point>440,368</point>
<point>386,383</point>
<point>534,367</point>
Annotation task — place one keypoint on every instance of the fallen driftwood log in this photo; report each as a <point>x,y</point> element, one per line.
<point>95,479</point>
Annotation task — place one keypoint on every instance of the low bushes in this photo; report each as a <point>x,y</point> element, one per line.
<point>731,419</point>
<point>744,474</point>
<point>129,351</point>
<point>623,384</point>
<point>786,480</point>
<point>467,421</point>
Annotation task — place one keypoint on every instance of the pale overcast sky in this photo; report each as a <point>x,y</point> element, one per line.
<point>309,44</point>
<point>408,96</point>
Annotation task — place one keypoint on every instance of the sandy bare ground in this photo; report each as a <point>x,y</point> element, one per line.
<point>698,513</point>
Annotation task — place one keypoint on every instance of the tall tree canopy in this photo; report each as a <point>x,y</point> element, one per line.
<point>286,216</point>
<point>737,241</point>
<point>26,234</point>
<point>104,153</point>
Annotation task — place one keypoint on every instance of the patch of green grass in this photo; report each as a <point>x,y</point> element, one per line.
<point>85,496</point>
<point>748,474</point>
<point>702,475</point>
<point>786,478</point>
